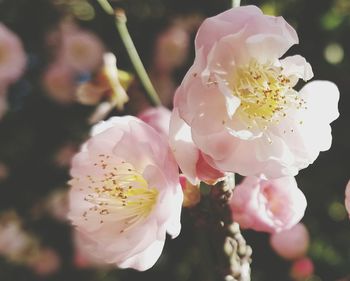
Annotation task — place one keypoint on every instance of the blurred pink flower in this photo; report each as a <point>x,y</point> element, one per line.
<point>171,49</point>
<point>268,205</point>
<point>302,269</point>
<point>13,240</point>
<point>12,56</point>
<point>292,243</point>
<point>82,50</point>
<point>192,162</point>
<point>125,193</point>
<point>45,262</point>
<point>347,198</point>
<point>57,204</point>
<point>239,101</point>
<point>59,83</point>
<point>158,118</point>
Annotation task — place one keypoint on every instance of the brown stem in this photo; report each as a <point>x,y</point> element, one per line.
<point>235,253</point>
<point>229,254</point>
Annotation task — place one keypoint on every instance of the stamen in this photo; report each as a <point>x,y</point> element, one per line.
<point>120,194</point>
<point>265,94</point>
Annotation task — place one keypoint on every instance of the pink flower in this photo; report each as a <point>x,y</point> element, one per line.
<point>12,56</point>
<point>302,269</point>
<point>239,101</point>
<point>82,50</point>
<point>291,244</point>
<point>347,198</point>
<point>125,193</point>
<point>268,205</point>
<point>192,162</point>
<point>158,118</point>
<point>13,240</point>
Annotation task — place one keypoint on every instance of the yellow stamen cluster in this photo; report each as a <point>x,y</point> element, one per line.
<point>120,191</point>
<point>265,94</point>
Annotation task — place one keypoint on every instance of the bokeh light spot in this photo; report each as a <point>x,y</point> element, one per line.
<point>334,53</point>
<point>337,211</point>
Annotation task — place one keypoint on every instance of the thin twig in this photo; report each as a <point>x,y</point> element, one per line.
<point>120,20</point>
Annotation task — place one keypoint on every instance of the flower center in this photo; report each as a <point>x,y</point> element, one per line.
<point>120,194</point>
<point>265,94</point>
<point>274,204</point>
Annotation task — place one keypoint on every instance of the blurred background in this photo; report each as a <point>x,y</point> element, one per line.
<point>46,113</point>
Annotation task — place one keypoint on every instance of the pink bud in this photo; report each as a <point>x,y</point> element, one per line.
<point>291,244</point>
<point>268,205</point>
<point>302,269</point>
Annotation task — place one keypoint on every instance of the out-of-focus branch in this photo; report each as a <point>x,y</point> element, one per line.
<point>236,254</point>
<point>120,20</point>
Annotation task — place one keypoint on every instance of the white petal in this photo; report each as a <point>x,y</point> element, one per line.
<point>185,152</point>
<point>296,66</point>
<point>146,259</point>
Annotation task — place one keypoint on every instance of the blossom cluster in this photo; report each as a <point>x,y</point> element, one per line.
<point>237,110</point>
<point>244,107</point>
